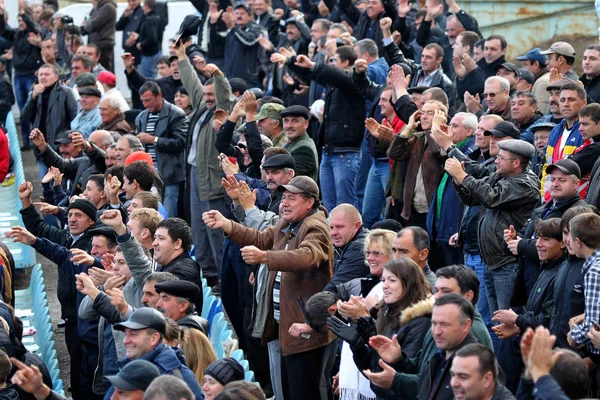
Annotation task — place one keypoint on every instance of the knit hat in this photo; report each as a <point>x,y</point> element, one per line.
<point>139,156</point>
<point>86,206</point>
<point>225,370</point>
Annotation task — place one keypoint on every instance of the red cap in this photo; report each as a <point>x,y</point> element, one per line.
<point>107,77</point>
<point>138,156</point>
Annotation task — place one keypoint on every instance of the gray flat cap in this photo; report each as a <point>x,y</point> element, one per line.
<point>518,147</point>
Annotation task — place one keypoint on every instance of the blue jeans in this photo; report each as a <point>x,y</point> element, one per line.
<point>171,199</point>
<point>475,262</point>
<point>338,178</point>
<point>275,365</point>
<point>374,200</point>
<point>499,284</point>
<point>148,67</point>
<point>362,174</point>
<point>23,84</point>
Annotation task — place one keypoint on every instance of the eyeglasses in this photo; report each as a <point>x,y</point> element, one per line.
<point>505,159</point>
<point>491,95</point>
<point>375,254</point>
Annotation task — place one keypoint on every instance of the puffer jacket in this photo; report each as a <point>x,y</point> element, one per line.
<point>101,25</point>
<point>171,130</point>
<point>343,124</point>
<point>507,201</point>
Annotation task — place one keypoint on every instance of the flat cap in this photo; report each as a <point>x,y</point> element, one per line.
<point>301,184</point>
<point>270,110</point>
<point>89,91</point>
<point>144,318</point>
<point>528,76</point>
<point>195,322</point>
<point>180,288</point>
<point>135,375</point>
<point>560,83</point>
<point>518,147</point>
<point>85,79</point>
<point>504,129</point>
<point>542,126</point>
<point>63,138</point>
<point>296,111</point>
<point>509,66</point>
<point>534,55</point>
<point>189,27</point>
<point>104,230</point>
<point>560,48</point>
<point>280,161</point>
<point>566,166</point>
<point>417,89</point>
<point>238,85</point>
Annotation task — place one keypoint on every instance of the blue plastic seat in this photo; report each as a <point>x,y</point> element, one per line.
<point>244,363</point>
<point>207,306</point>
<point>249,376</point>
<point>238,355</point>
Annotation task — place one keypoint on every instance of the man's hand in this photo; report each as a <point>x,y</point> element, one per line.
<point>323,9</point>
<point>112,218</point>
<point>35,39</point>
<point>555,75</point>
<point>385,132</point>
<point>399,81</point>
<point>513,246</point>
<point>353,308</point>
<point>508,317</point>
<point>361,65</point>
<point>215,220</point>
<point>238,111</point>
<point>146,138</point>
<point>453,241</point>
<point>386,26</point>
<point>113,282</point>
<point>388,349</point>
<point>212,70</point>
<point>128,61</point>
<point>297,329</point>
<point>37,137</point>
<point>372,125</point>
<point>459,69</point>
<point>228,19</point>
<point>199,63</point>
<point>504,331</point>
<point>510,234</point>
<point>404,8</point>
<point>253,255</point>
<point>576,320</point>
<point>37,90</point>
<point>180,51</point>
<point>45,208</point>
<point>594,336</point>
<point>382,379</point>
<point>250,105</point>
<point>21,235</point>
<point>214,13</point>
<point>117,299</point>
<point>25,190</point>
<point>132,39</point>
<point>434,9</point>
<point>526,340</point>
<point>77,139</point>
<point>304,62</point>
<point>247,197</point>
<point>440,135</point>
<point>455,169</point>
<point>58,176</point>
<point>473,103</point>
<point>541,360</point>
<point>413,122</point>
<point>469,63</point>
<point>278,14</point>
<point>29,378</point>
<point>277,58</point>
<point>86,285</point>
<point>99,276</point>
<point>232,187</point>
<point>227,166</point>
<point>114,186</point>
<point>81,257</point>
<point>439,118</point>
<point>108,262</point>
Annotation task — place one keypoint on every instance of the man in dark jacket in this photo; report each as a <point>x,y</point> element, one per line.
<point>241,45</point>
<point>342,130</point>
<point>298,143</point>
<point>591,72</point>
<point>349,236</point>
<point>149,38</point>
<point>50,107</point>
<point>130,22</point>
<point>26,60</point>
<point>162,128</point>
<point>509,196</point>
<point>7,97</point>
<point>430,72</point>
<point>101,30</point>
<point>168,84</point>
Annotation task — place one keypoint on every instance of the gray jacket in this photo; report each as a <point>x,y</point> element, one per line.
<point>62,109</point>
<point>171,130</point>
<point>208,170</point>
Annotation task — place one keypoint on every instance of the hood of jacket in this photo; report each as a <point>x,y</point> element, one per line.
<point>419,309</point>
<point>162,356</point>
<point>9,393</point>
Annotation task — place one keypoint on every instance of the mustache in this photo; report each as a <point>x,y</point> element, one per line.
<point>271,181</point>
<point>161,310</point>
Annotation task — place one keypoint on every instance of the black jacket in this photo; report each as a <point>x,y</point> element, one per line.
<point>440,80</point>
<point>475,80</point>
<point>168,85</point>
<point>349,262</point>
<point>129,24</point>
<point>253,141</point>
<point>151,34</point>
<point>26,58</point>
<point>185,268</point>
<point>242,52</point>
<point>171,130</point>
<point>592,87</point>
<point>343,124</point>
<point>101,25</point>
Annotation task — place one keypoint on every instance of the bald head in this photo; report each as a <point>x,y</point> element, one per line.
<point>344,222</point>
<point>102,139</point>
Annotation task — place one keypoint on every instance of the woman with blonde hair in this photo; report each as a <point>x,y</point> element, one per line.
<point>198,351</point>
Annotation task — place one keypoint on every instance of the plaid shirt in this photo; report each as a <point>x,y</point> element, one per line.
<point>591,290</point>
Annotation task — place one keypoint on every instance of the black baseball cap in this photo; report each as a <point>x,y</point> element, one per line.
<point>566,166</point>
<point>504,129</point>
<point>63,138</point>
<point>135,375</point>
<point>144,318</point>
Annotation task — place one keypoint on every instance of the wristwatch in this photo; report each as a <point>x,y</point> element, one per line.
<point>155,141</point>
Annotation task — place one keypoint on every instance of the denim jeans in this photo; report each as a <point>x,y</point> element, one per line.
<point>148,67</point>
<point>374,201</point>
<point>233,280</point>
<point>475,262</point>
<point>208,243</point>
<point>363,174</point>
<point>499,284</point>
<point>275,364</point>
<point>338,178</point>
<point>23,84</point>
<point>171,199</point>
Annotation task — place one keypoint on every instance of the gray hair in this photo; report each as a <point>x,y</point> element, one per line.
<point>369,47</point>
<point>134,143</point>
<point>504,83</point>
<point>469,120</point>
<point>168,387</point>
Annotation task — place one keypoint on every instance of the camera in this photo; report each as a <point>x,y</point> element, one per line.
<point>66,19</point>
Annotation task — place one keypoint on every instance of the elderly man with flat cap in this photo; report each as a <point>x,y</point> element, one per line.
<point>144,332</point>
<point>88,118</point>
<point>509,197</point>
<point>299,254</point>
<point>177,298</point>
<point>298,143</point>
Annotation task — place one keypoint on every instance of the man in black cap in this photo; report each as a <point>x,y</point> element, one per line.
<point>509,71</point>
<point>144,332</point>
<point>509,197</point>
<point>293,272</point>
<point>279,170</point>
<point>242,44</point>
<point>132,381</point>
<point>526,81</point>
<point>177,298</point>
<point>299,144</point>
<point>88,119</point>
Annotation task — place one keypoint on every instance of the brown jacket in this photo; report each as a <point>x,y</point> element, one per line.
<point>118,125</point>
<point>306,265</point>
<point>417,151</point>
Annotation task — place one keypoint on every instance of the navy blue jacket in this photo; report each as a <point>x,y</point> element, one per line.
<point>166,360</point>
<point>242,53</point>
<point>452,208</point>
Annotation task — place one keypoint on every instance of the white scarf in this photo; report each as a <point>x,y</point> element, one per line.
<point>353,384</point>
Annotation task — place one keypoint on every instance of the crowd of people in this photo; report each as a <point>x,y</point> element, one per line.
<point>387,207</point>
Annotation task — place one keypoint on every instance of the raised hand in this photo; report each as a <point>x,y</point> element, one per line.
<point>277,58</point>
<point>250,103</point>
<point>231,186</point>
<point>228,19</point>
<point>469,63</point>
<point>214,13</point>
<point>555,75</point>
<point>113,219</point>
<point>459,69</point>
<point>399,81</point>
<point>37,137</point>
<point>46,209</point>
<point>199,63</point>
<point>21,235</point>
<point>212,70</point>
<point>361,66</point>
<point>439,118</point>
<point>117,299</point>
<point>386,26</point>
<point>403,8</point>
<point>247,197</point>
<point>473,103</point>
<point>81,257</point>
<point>58,176</point>
<point>289,52</point>
<point>25,190</point>
<point>304,62</point>
<point>108,262</point>
<point>114,281</point>
<point>77,139</point>
<point>29,378</point>
<point>510,234</point>
<point>385,132</point>
<point>228,167</point>
<point>388,349</point>
<point>99,276</point>
<point>128,61</point>
<point>253,255</point>
<point>440,135</point>
<point>372,125</point>
<point>86,285</point>
<point>541,359</point>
